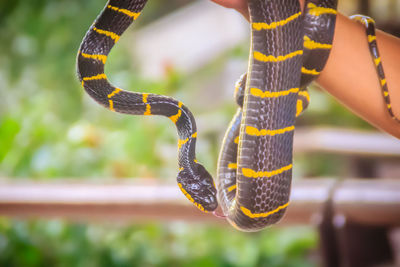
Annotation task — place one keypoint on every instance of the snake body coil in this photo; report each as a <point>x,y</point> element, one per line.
<point>264,163</point>
<point>288,50</point>
<point>193,179</point>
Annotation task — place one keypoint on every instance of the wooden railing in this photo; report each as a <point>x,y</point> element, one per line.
<point>149,200</point>
<point>354,216</point>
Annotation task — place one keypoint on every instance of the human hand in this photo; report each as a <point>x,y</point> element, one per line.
<point>241,5</point>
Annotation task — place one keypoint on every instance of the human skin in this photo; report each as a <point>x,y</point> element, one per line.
<point>350,75</point>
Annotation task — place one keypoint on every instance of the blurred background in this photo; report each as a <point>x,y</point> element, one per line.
<point>52,132</point>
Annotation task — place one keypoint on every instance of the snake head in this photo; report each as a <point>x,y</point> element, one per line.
<point>198,186</point>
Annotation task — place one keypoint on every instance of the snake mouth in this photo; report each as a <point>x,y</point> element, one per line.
<point>207,194</point>
<point>205,199</point>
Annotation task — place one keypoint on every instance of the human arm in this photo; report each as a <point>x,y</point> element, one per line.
<point>350,75</point>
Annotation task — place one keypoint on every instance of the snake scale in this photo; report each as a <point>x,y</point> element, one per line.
<point>289,49</point>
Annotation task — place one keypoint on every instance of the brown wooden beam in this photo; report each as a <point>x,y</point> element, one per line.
<point>133,201</point>
<point>372,202</point>
<point>346,142</point>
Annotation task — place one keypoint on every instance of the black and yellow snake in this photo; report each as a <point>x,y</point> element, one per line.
<point>288,50</point>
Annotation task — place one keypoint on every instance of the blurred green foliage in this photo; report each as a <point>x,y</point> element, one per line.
<point>44,122</point>
<point>55,243</point>
<point>49,128</point>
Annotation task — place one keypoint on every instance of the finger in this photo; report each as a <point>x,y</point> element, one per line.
<point>239,5</point>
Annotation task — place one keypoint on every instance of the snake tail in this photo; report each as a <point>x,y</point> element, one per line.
<point>369,25</point>
<point>193,179</point>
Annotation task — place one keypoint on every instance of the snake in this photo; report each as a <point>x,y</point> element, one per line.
<point>369,24</point>
<point>289,49</point>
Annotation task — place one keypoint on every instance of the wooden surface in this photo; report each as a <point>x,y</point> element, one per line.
<point>345,141</point>
<point>364,201</point>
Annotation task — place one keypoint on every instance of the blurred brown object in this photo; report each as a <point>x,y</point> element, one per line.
<point>357,218</point>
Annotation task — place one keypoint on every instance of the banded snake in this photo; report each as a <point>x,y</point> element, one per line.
<point>288,50</point>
